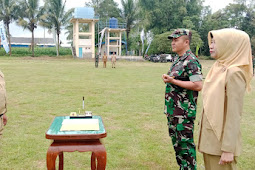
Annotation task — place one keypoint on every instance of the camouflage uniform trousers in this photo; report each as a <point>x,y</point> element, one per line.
<point>181,132</point>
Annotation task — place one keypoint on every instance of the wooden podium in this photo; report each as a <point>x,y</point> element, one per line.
<point>70,141</point>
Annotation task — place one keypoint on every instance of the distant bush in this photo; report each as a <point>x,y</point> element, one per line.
<point>162,45</point>
<point>203,57</point>
<point>38,51</point>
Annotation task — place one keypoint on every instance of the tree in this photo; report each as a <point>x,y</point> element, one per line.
<point>239,15</point>
<point>161,43</point>
<point>94,4</point>
<point>8,14</point>
<point>129,15</point>
<point>234,13</point>
<point>135,43</point>
<point>69,32</point>
<point>248,23</point>
<point>105,9</point>
<point>55,17</point>
<point>108,9</point>
<point>187,23</point>
<point>165,15</point>
<point>29,17</point>
<point>210,22</point>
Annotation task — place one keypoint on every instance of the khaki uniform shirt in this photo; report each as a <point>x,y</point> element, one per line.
<point>231,134</point>
<point>2,100</point>
<point>105,58</point>
<point>113,58</point>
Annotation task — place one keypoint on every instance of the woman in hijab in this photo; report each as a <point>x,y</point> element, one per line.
<point>223,92</point>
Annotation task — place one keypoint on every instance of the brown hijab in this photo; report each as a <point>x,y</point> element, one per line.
<point>233,50</point>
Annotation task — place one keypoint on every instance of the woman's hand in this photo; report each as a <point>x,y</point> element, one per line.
<point>226,157</point>
<point>5,119</point>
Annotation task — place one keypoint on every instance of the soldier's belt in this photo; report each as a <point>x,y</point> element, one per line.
<point>182,78</point>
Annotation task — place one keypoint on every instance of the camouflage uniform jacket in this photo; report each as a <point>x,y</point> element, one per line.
<point>180,102</point>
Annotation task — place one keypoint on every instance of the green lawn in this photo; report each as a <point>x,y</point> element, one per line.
<point>130,100</point>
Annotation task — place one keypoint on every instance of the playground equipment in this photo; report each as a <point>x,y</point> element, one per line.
<point>84,40</point>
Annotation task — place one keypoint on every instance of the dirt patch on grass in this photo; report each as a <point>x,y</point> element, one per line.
<point>40,164</point>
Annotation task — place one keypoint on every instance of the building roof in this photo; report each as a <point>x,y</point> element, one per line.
<point>26,40</point>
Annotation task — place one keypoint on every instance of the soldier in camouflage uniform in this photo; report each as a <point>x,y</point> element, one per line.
<point>183,81</point>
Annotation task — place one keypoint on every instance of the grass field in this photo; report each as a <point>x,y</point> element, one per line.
<point>130,100</point>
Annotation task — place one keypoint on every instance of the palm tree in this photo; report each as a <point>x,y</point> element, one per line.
<point>8,13</point>
<point>69,32</point>
<point>129,14</point>
<point>55,17</point>
<point>29,17</point>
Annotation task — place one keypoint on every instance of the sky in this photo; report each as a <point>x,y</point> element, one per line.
<point>41,33</point>
<point>217,4</point>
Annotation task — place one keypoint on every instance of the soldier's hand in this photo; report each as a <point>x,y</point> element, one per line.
<point>167,78</point>
<point>163,77</point>
<point>5,119</point>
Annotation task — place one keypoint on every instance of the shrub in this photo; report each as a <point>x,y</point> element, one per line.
<point>38,51</point>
